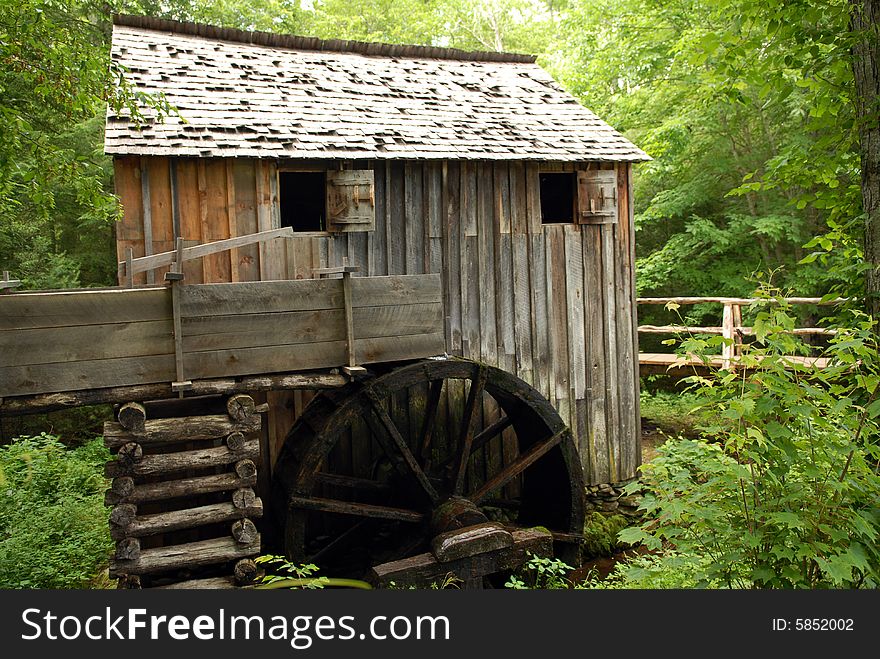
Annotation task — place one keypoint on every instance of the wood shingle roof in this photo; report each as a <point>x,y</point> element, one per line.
<point>245,94</point>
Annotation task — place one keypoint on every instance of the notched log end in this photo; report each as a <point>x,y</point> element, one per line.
<point>132,416</point>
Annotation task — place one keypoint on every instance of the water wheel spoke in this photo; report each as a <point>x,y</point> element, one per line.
<point>356,509</point>
<point>427,433</point>
<point>398,450</point>
<point>351,482</point>
<point>484,437</point>
<point>341,541</point>
<point>516,467</point>
<point>466,436</point>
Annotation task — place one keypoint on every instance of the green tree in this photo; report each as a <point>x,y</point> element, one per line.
<point>55,200</point>
<point>513,25</point>
<point>747,109</point>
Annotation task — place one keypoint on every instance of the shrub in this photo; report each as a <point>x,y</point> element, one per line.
<point>666,570</point>
<point>541,573</point>
<point>53,523</point>
<point>788,497</point>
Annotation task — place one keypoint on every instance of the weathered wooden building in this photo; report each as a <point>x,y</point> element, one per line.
<point>399,160</point>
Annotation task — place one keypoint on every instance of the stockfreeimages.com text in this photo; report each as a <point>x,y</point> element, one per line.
<point>300,631</point>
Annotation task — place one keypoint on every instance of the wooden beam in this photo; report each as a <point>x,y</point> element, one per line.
<point>356,509</point>
<point>165,463</point>
<point>427,432</point>
<point>402,458</point>
<point>516,467</point>
<point>41,403</point>
<point>469,541</point>
<point>178,429</point>
<point>466,433</point>
<point>743,301</point>
<point>744,331</point>
<point>184,487</point>
<point>678,329</point>
<point>148,218</point>
<point>83,307</point>
<point>187,518</point>
<point>349,319</point>
<point>145,263</point>
<point>424,569</point>
<point>8,284</point>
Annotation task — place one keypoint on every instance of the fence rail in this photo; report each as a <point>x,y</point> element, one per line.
<point>731,324</point>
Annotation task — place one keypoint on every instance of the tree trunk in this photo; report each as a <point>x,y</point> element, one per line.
<point>865,22</point>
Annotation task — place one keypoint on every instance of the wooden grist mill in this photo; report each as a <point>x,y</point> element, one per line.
<point>376,311</point>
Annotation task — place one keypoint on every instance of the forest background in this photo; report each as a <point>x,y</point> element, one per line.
<point>746,106</point>
<point>761,119</point>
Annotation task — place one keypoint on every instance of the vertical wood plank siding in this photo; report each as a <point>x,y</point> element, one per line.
<point>552,303</point>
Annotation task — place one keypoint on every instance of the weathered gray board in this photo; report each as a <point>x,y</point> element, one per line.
<point>69,341</point>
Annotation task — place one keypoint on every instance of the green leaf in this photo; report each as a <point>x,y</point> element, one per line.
<point>632,535</point>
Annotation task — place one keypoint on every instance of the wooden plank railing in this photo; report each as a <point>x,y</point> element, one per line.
<point>7,284</point>
<point>731,321</point>
<point>132,266</point>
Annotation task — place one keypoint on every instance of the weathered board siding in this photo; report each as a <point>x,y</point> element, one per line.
<point>552,303</point>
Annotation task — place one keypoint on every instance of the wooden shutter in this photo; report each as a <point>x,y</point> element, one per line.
<point>597,197</point>
<point>351,200</point>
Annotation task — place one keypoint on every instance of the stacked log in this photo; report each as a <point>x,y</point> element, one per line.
<point>184,460</point>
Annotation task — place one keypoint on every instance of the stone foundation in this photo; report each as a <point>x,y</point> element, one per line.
<point>611,498</point>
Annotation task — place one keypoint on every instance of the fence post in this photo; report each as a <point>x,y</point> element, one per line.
<point>727,332</point>
<point>736,313</point>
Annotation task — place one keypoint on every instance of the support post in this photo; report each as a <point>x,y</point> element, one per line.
<point>346,270</point>
<point>736,312</point>
<point>175,277</point>
<point>349,318</point>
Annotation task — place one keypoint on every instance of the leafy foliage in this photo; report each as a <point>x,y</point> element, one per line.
<point>283,570</point>
<point>745,106</point>
<point>541,572</point>
<point>53,523</point>
<point>673,412</point>
<point>56,203</point>
<point>669,570</point>
<point>747,109</point>
<point>788,497</point>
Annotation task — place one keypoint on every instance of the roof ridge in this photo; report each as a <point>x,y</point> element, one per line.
<point>313,43</point>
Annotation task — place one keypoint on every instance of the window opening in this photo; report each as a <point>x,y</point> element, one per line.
<point>303,197</point>
<point>557,197</point>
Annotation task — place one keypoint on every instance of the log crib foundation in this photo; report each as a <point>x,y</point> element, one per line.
<point>182,496</point>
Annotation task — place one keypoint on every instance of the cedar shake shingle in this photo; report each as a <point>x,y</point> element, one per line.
<point>243,98</point>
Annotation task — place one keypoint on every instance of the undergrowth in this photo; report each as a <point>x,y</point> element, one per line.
<point>53,522</point>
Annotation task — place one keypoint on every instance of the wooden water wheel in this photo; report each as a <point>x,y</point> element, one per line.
<point>375,471</point>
